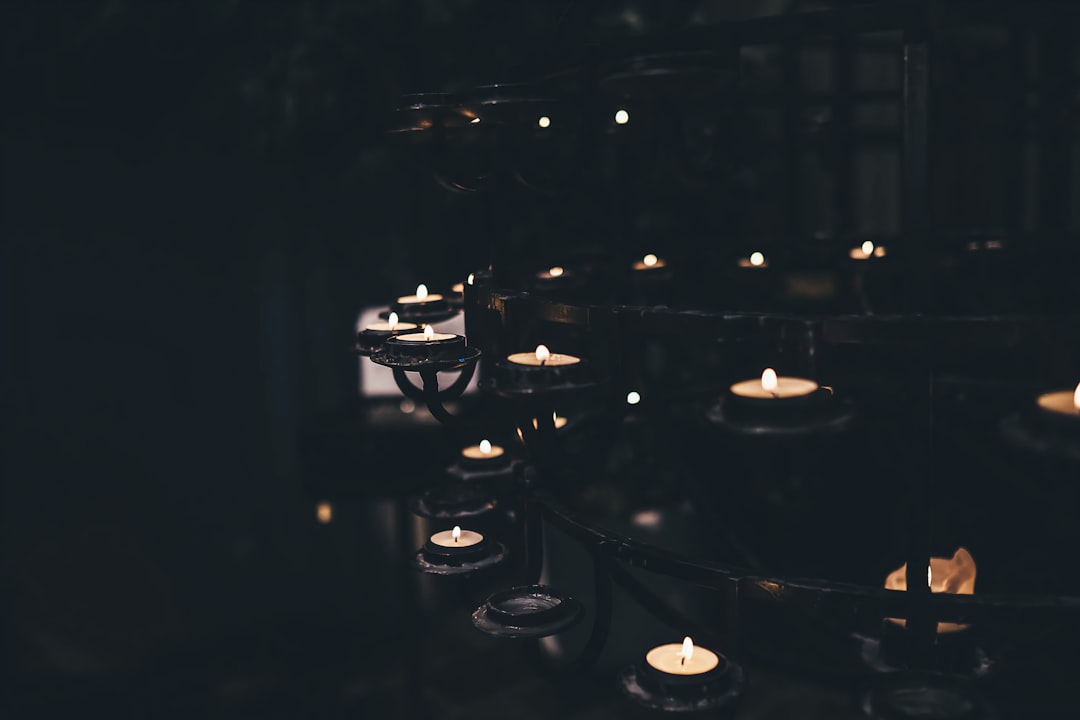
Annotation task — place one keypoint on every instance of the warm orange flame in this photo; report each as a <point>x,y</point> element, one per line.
<point>485,447</point>
<point>392,321</point>
<point>456,533</point>
<point>955,575</point>
<point>542,354</point>
<point>687,651</point>
<point>555,271</point>
<point>324,512</point>
<point>429,333</point>
<point>650,260</point>
<point>1076,397</point>
<point>769,381</point>
<point>421,292</point>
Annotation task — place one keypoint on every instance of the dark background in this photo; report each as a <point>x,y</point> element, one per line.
<point>198,199</point>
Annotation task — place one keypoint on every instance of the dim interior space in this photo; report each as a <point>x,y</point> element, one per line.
<point>579,359</point>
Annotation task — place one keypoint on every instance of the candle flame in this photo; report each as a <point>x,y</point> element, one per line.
<point>324,512</point>
<point>649,260</point>
<point>429,333</point>
<point>769,380</point>
<point>868,248</point>
<point>542,354</point>
<point>930,577</point>
<point>474,120</point>
<point>757,259</point>
<point>1076,397</point>
<point>544,121</point>
<point>555,271</point>
<point>485,447</point>
<point>687,651</point>
<point>471,279</point>
<point>421,292</point>
<point>456,533</point>
<point>392,321</point>
<point>622,117</point>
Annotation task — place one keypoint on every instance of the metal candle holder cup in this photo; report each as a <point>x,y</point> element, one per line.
<point>531,611</point>
<point>818,412</point>
<point>442,560</point>
<point>717,690</point>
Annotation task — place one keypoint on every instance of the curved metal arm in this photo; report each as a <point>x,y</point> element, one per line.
<point>430,394</point>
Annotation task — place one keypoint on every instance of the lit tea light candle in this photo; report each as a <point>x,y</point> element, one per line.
<point>622,117</point>
<point>773,387</point>
<point>421,297</point>
<point>1062,402</point>
<point>682,659</point>
<point>553,273</point>
<point>484,451</point>
<point>456,538</point>
<point>955,575</point>
<point>542,357</point>
<point>373,335</point>
<point>866,251</point>
<point>426,345</point>
<point>756,260</point>
<point>558,422</point>
<point>650,262</point>
<point>392,324</point>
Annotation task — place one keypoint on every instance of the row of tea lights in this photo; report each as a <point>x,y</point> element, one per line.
<point>866,251</point>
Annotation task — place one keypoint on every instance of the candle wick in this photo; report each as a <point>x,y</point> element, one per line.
<point>682,661</point>
<point>775,393</point>
<point>543,362</point>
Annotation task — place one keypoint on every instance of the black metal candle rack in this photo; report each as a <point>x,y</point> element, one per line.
<point>910,668</point>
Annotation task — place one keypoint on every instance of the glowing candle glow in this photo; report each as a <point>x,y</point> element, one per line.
<point>392,324</point>
<point>866,251</point>
<point>557,421</point>
<point>622,117</point>
<point>422,296</point>
<point>772,386</point>
<point>456,538</point>
<point>1065,402</point>
<point>955,575</point>
<point>484,451</point>
<point>429,335</point>
<point>543,357</point>
<point>556,271</point>
<point>544,121</point>
<point>324,513</point>
<point>682,658</point>
<point>755,260</point>
<point>650,262</point>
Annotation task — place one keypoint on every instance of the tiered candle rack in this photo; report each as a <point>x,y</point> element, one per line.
<point>926,346</point>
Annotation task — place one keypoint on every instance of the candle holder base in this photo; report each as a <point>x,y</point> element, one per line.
<point>416,364</point>
<point>531,611</point>
<point>718,693</point>
<point>434,560</point>
<point>820,413</point>
<point>455,502</point>
<point>927,697</point>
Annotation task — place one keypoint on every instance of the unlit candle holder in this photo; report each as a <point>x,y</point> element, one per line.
<point>530,611</point>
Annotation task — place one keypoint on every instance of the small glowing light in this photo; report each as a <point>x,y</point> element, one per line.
<point>324,512</point>
<point>456,533</point>
<point>555,271</point>
<point>1076,397</point>
<point>647,519</point>
<point>622,117</point>
<point>633,397</point>
<point>649,260</point>
<point>542,354</point>
<point>471,279</point>
<point>407,406</point>
<point>868,248</point>
<point>474,121</point>
<point>544,121</point>
<point>458,288</point>
<point>520,436</point>
<point>757,259</point>
<point>421,292</point>
<point>429,333</point>
<point>392,321</point>
<point>768,380</point>
<point>687,651</point>
<point>485,447</point>
<point>930,577</point>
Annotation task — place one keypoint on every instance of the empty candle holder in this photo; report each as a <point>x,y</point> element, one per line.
<point>456,502</point>
<point>531,611</point>
<point>928,697</point>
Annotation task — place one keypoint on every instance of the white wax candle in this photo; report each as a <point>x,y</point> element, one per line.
<point>543,357</point>
<point>456,538</point>
<point>771,386</point>
<point>1065,402</point>
<point>682,658</point>
<point>422,296</point>
<point>426,336</point>
<point>484,451</point>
